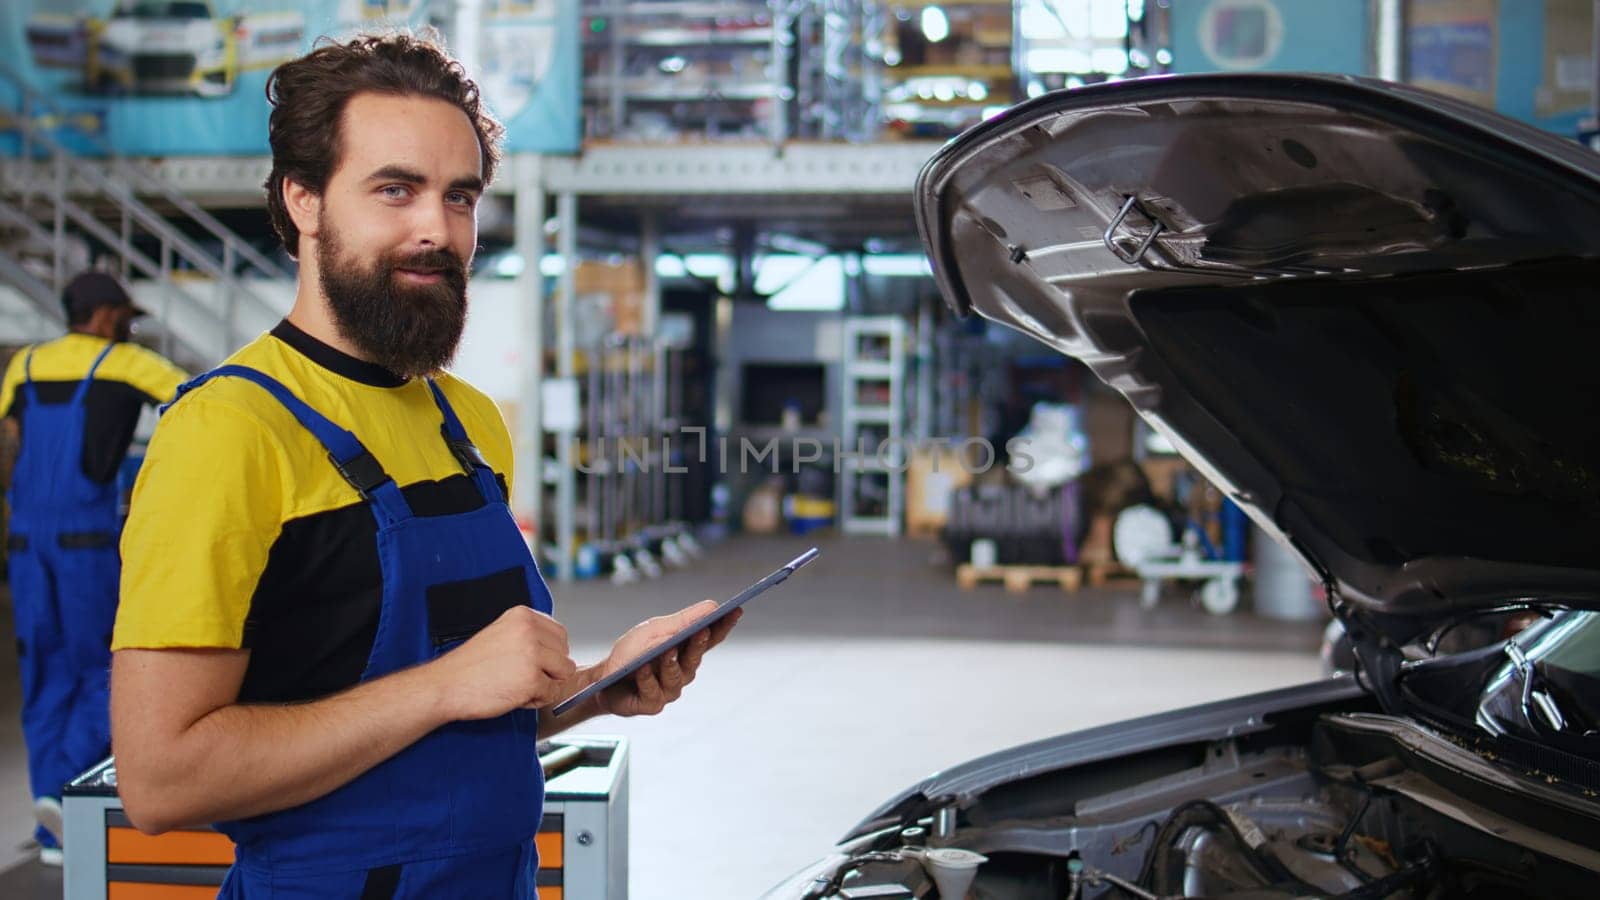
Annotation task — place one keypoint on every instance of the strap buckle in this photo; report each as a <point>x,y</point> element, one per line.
<point>363,472</point>
<point>465,452</point>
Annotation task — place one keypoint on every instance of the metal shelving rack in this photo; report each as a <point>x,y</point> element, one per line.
<point>733,69</point>
<point>839,68</point>
<point>938,88</point>
<point>873,371</point>
<point>668,68</point>
<point>625,496</point>
<point>968,368</point>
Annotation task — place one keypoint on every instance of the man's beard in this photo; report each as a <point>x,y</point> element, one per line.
<point>410,329</point>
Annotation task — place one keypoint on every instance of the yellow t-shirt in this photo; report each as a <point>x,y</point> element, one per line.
<point>129,378</point>
<point>242,534</point>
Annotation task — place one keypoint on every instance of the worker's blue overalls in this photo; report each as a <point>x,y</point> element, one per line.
<point>453,815</point>
<point>64,570</point>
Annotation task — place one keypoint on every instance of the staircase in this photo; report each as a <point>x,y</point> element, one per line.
<point>207,289</point>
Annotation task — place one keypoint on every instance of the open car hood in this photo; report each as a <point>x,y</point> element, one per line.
<point>1369,313</point>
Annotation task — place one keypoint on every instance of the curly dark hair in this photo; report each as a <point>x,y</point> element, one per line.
<point>308,97</point>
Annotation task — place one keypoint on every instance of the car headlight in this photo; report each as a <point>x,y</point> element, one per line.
<point>214,54</point>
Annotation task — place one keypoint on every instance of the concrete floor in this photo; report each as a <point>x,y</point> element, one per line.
<point>865,673</point>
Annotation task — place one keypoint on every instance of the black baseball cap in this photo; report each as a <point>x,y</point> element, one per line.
<point>91,290</point>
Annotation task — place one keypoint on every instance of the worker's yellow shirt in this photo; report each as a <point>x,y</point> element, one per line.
<point>129,378</point>
<point>242,534</point>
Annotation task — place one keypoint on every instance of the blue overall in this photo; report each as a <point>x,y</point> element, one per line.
<point>64,571</point>
<point>453,815</point>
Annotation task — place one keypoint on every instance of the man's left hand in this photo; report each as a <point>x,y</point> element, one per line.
<point>663,680</point>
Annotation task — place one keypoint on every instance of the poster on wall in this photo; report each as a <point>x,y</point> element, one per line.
<point>188,77</point>
<point>1269,36</point>
<point>1568,58</point>
<point>1452,47</point>
<point>530,74</point>
<point>1241,35</point>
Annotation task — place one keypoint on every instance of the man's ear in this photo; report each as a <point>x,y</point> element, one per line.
<point>304,206</point>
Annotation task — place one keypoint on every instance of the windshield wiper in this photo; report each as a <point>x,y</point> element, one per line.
<point>1535,697</point>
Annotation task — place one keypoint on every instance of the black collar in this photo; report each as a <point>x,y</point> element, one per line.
<point>334,360</point>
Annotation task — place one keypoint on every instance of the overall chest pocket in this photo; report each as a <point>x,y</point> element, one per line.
<point>458,610</point>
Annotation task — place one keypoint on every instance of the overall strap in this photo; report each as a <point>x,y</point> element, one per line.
<point>352,460</point>
<point>28,390</point>
<point>466,453</point>
<point>83,386</point>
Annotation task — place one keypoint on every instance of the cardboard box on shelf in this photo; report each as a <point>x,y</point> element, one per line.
<point>992,27</point>
<point>1108,422</point>
<point>1161,471</point>
<point>1096,549</point>
<point>763,508</point>
<point>622,283</point>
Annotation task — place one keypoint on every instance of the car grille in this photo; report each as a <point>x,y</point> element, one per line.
<point>166,65</point>
<point>49,41</point>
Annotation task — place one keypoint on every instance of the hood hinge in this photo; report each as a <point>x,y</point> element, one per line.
<point>1378,661</point>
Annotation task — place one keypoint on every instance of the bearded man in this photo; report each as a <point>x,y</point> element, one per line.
<point>333,642</point>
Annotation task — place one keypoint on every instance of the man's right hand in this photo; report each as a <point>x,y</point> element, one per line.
<point>519,661</point>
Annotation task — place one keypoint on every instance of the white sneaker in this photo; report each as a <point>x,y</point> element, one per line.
<point>47,812</point>
<point>50,856</point>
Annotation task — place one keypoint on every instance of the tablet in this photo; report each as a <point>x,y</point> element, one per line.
<point>688,631</point>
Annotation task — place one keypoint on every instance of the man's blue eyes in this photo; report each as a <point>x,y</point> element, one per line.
<point>396,192</point>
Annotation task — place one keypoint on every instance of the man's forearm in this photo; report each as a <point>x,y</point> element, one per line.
<point>245,760</point>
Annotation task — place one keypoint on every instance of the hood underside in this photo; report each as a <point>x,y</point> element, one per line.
<point>1366,312</point>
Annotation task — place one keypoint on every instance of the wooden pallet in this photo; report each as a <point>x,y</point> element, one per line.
<point>1018,579</point>
<point>1097,574</point>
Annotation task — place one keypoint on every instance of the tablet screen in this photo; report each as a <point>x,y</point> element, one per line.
<point>688,631</point>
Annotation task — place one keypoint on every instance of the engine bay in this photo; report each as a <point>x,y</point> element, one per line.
<point>1354,805</point>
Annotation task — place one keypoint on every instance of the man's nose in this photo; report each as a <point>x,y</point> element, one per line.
<point>430,228</point>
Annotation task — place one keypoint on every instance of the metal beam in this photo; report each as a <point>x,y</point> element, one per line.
<point>1390,49</point>
<point>649,326</point>
<point>634,170</point>
<point>848,169</point>
<point>566,306</point>
<point>649,251</point>
<point>529,439</point>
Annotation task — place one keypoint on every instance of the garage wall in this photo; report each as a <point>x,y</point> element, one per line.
<point>761,335</point>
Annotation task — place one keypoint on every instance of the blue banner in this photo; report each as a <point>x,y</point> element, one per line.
<point>188,77</point>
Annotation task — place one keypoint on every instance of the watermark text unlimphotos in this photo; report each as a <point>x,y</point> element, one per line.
<point>674,455</point>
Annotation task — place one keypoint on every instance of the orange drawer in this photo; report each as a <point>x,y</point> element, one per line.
<point>548,844</point>
<point>127,890</point>
<point>549,893</point>
<point>195,848</point>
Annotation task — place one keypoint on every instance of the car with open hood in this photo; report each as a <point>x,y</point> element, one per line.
<point>1371,316</point>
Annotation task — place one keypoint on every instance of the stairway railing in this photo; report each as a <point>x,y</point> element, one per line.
<point>56,175</point>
